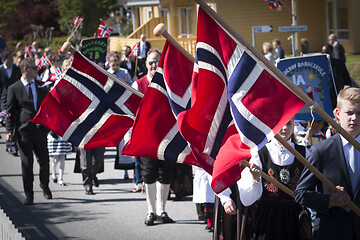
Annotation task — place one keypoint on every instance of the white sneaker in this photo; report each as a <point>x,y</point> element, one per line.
<point>61,183</point>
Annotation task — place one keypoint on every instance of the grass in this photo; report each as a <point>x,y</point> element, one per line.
<point>353,66</point>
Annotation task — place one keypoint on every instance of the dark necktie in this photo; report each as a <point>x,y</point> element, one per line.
<point>30,92</point>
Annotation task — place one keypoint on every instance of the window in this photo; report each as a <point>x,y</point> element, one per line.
<point>165,12</point>
<point>148,13</point>
<point>186,22</point>
<point>337,18</point>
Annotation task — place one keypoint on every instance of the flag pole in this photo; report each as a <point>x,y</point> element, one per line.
<point>159,30</point>
<point>285,80</point>
<point>272,180</point>
<point>73,31</point>
<point>66,47</point>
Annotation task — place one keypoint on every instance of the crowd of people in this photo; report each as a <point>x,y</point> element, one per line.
<point>268,212</point>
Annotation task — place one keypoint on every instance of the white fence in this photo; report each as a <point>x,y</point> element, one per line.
<point>7,228</point>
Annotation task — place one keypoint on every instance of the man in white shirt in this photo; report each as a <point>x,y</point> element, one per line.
<point>144,48</point>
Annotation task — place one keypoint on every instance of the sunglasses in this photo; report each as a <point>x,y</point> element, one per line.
<point>154,62</point>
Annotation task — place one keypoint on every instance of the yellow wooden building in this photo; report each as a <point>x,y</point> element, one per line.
<point>321,17</point>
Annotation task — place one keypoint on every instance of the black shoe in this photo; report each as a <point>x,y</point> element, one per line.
<point>164,218</point>
<point>46,191</point>
<point>89,191</point>
<point>150,219</point>
<point>96,182</point>
<point>54,180</point>
<point>29,201</point>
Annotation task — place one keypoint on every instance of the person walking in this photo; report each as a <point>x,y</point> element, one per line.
<point>157,174</point>
<point>339,50</point>
<point>24,99</point>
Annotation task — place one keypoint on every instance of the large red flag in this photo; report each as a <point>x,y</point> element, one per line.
<point>231,79</point>
<point>87,107</point>
<point>167,95</point>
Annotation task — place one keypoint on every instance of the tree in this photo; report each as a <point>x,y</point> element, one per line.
<point>90,10</point>
<point>18,17</point>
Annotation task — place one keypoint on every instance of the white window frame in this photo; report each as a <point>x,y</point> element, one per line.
<point>335,19</point>
<point>188,22</point>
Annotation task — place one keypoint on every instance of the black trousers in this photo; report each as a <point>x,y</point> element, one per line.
<point>27,147</point>
<point>153,170</point>
<point>91,161</point>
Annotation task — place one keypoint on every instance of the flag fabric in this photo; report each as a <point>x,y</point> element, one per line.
<point>77,20</point>
<point>273,3</point>
<point>56,76</point>
<point>4,117</point>
<point>27,51</point>
<point>135,50</point>
<point>104,30</point>
<point>232,79</point>
<point>44,62</point>
<point>87,107</point>
<point>168,95</point>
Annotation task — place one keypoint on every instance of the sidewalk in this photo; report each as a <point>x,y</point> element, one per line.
<point>114,212</point>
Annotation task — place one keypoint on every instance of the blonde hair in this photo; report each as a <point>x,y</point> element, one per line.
<point>268,46</point>
<point>351,94</point>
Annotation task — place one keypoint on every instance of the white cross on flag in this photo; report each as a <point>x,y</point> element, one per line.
<point>104,30</point>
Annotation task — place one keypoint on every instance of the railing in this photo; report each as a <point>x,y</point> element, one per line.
<point>7,228</point>
<point>147,28</point>
<point>117,43</point>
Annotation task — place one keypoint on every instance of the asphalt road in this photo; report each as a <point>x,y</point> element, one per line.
<point>114,212</point>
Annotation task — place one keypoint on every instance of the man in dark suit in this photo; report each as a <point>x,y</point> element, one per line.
<point>279,51</point>
<point>24,99</point>
<point>340,74</point>
<point>9,74</point>
<point>338,161</point>
<point>339,50</point>
<point>144,48</point>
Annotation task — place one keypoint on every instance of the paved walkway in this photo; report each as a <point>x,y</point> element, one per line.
<point>115,212</point>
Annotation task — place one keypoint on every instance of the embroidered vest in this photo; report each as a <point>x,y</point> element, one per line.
<point>287,175</point>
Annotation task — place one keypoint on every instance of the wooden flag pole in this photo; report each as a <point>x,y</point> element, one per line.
<point>272,180</point>
<point>285,80</point>
<point>68,48</point>
<point>73,31</point>
<point>159,30</point>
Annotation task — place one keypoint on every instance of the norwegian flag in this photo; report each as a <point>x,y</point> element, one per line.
<point>77,20</point>
<point>4,117</point>
<point>273,3</point>
<point>27,51</point>
<point>56,76</point>
<point>87,106</point>
<point>44,62</point>
<point>135,50</point>
<point>167,95</point>
<point>229,75</point>
<point>104,30</point>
